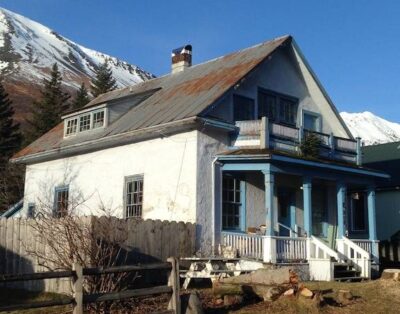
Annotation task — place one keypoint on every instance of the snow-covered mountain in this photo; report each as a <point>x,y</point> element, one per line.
<point>28,50</point>
<point>371,128</point>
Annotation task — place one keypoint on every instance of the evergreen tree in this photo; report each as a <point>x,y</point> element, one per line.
<point>310,146</point>
<point>103,82</point>
<point>81,98</point>
<point>48,110</point>
<point>10,136</point>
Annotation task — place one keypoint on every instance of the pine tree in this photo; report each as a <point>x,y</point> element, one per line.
<point>10,136</point>
<point>48,110</point>
<point>81,98</point>
<point>310,146</point>
<point>103,82</point>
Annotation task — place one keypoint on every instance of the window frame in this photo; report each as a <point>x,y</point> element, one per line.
<point>91,122</point>
<point>129,179</point>
<point>60,189</point>
<point>241,184</point>
<point>315,115</point>
<point>278,96</point>
<point>31,210</point>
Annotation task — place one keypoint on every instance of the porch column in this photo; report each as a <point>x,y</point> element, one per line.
<point>341,191</point>
<point>269,242</point>
<point>372,220</point>
<point>307,205</point>
<point>269,180</point>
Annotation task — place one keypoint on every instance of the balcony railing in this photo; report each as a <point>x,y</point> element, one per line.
<point>264,134</point>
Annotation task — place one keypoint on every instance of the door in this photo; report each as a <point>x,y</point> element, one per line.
<point>319,212</point>
<point>286,210</point>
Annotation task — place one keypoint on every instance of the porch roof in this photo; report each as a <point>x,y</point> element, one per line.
<point>257,155</point>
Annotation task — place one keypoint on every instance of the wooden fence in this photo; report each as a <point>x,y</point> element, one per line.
<point>148,241</point>
<point>78,298</point>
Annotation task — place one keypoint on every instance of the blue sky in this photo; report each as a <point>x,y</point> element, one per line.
<point>353,46</point>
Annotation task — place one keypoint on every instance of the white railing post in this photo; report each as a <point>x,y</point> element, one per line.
<point>264,133</point>
<point>269,249</point>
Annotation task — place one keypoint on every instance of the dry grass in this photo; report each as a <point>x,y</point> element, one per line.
<point>380,296</point>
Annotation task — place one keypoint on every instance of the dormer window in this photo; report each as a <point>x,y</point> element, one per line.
<point>85,121</point>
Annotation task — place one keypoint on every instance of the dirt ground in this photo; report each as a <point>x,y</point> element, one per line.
<point>379,296</point>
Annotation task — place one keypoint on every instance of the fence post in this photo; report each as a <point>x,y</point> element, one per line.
<point>78,288</point>
<point>173,282</point>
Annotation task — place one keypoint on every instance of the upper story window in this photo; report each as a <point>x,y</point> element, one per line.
<point>277,107</point>
<point>243,108</point>
<point>85,122</point>
<point>61,195</point>
<point>312,121</point>
<point>133,196</point>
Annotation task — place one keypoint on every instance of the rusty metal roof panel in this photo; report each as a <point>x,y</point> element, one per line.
<point>175,96</point>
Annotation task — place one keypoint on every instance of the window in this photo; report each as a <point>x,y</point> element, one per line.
<point>358,212</point>
<point>71,126</point>
<point>311,121</point>
<point>31,210</point>
<point>134,196</point>
<point>243,108</point>
<point>98,119</point>
<point>61,201</point>
<point>277,107</point>
<point>231,203</point>
<point>84,122</point>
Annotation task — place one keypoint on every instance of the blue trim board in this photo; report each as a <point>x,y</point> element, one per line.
<point>307,199</point>
<point>243,212</point>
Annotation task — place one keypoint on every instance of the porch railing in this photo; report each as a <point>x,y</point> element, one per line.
<point>291,249</point>
<point>359,258</point>
<point>248,245</point>
<point>266,134</point>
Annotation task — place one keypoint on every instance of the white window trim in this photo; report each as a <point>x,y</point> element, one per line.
<point>312,113</point>
<point>78,125</point>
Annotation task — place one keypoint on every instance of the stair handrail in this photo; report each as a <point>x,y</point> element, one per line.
<point>291,231</point>
<point>363,263</point>
<point>319,245</point>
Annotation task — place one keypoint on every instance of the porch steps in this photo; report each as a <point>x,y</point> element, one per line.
<point>346,272</point>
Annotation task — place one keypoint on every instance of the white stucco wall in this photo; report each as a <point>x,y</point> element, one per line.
<point>168,165</point>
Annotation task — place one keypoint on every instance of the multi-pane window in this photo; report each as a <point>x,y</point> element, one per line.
<point>231,203</point>
<point>243,108</point>
<point>98,119</point>
<point>61,201</point>
<point>134,196</point>
<point>278,108</point>
<point>84,122</point>
<point>71,126</point>
<point>311,122</point>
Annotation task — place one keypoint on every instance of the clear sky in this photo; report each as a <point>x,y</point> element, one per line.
<point>353,46</point>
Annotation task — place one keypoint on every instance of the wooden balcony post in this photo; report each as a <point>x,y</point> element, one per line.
<point>264,133</point>
<point>359,153</point>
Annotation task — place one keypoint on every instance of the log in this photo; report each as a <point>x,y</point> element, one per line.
<point>268,277</point>
<point>391,274</point>
<point>268,293</point>
<point>289,293</point>
<point>232,299</point>
<point>306,293</point>
<point>222,288</point>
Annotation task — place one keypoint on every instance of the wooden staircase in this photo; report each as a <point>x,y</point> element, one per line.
<point>346,272</point>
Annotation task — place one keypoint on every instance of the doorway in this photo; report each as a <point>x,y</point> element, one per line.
<point>286,210</point>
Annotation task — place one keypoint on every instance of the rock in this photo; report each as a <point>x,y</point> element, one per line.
<point>193,305</point>
<point>393,274</point>
<point>232,299</point>
<point>344,297</point>
<point>289,293</point>
<point>229,252</point>
<point>306,293</point>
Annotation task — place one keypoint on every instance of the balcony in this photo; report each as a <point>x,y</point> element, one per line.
<point>264,134</point>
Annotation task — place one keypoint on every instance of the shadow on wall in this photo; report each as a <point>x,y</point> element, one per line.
<point>12,263</point>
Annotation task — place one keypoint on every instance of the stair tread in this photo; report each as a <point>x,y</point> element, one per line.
<point>350,278</point>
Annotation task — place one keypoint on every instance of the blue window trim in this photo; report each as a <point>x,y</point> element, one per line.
<point>60,188</point>
<point>243,212</point>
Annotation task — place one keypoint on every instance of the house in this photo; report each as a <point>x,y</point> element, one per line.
<point>218,144</point>
<point>386,157</point>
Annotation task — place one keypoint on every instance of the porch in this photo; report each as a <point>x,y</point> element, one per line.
<point>278,208</point>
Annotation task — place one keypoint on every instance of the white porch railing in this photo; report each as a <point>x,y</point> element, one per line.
<point>283,249</point>
<point>360,258</point>
<point>291,249</point>
<point>319,250</point>
<point>248,245</point>
<point>368,245</point>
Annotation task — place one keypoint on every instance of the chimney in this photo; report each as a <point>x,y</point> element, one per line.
<point>181,58</point>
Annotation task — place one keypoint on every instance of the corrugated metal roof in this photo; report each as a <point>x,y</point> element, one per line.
<point>177,96</point>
